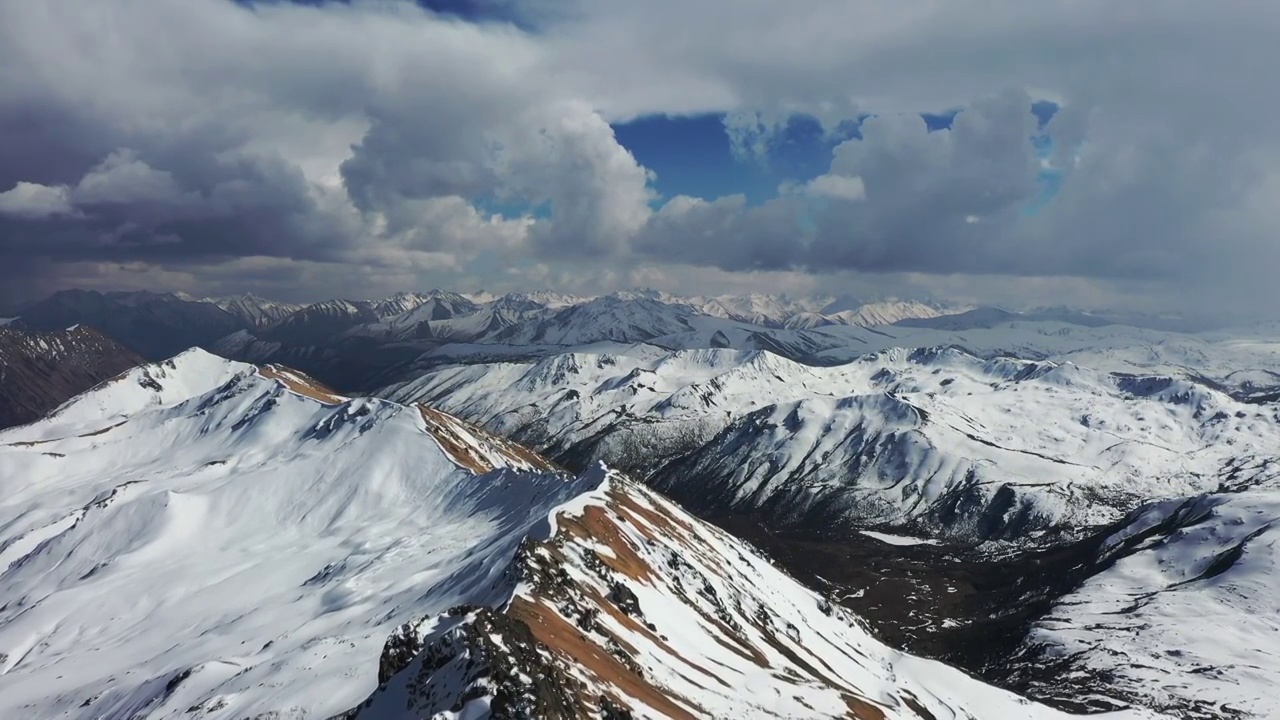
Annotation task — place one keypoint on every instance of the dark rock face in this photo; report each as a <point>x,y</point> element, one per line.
<point>41,370</point>
<point>398,652</point>
<point>486,653</point>
<point>625,599</point>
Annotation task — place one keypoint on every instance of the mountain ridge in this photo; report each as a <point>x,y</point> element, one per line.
<point>925,440</point>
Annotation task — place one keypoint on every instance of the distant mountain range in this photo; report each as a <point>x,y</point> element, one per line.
<point>350,342</point>
<point>254,311</point>
<point>362,345</point>
<point>155,325</point>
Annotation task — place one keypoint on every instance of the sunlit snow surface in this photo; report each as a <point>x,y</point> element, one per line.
<point>222,524</point>
<point>197,540</point>
<point>899,540</point>
<point>1191,613</point>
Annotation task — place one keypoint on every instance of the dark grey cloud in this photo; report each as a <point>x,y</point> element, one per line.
<point>196,134</point>
<point>934,201</point>
<point>152,163</point>
<point>125,209</point>
<point>727,234</point>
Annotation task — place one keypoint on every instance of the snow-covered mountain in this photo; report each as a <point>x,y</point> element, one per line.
<point>259,313</point>
<point>1179,609</point>
<point>778,311</point>
<point>1245,360</point>
<point>201,533</point>
<point>1230,357</point>
<point>863,314</point>
<point>532,324</point>
<point>41,370</point>
<point>360,345</point>
<point>255,311</point>
<point>206,539</point>
<point>632,608</point>
<point>444,304</point>
<point>321,322</point>
<point>752,308</point>
<point>989,317</point>
<point>418,322</point>
<point>609,318</point>
<point>932,439</point>
<point>535,299</point>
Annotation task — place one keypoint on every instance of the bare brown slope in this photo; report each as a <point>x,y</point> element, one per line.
<point>41,370</point>
<point>473,448</point>
<point>301,383</point>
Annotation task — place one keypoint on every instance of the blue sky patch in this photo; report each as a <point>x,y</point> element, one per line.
<point>941,120</point>
<point>1044,110</point>
<point>476,11</point>
<point>692,155</point>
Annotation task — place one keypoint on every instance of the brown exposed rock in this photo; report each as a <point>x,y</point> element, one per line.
<point>595,525</point>
<point>914,703</point>
<point>860,709</point>
<point>444,429</point>
<point>301,383</point>
<point>555,633</point>
<point>452,434</point>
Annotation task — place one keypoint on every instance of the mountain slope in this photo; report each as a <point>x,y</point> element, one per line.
<point>752,308</point>
<point>155,325</point>
<point>1181,612</point>
<point>609,318</point>
<point>360,345</point>
<point>202,533</point>
<point>1170,605</point>
<point>866,315</point>
<point>419,320</point>
<point>206,539</point>
<point>41,370</point>
<point>320,322</point>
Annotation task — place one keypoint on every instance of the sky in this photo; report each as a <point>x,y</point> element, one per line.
<point>1079,152</point>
